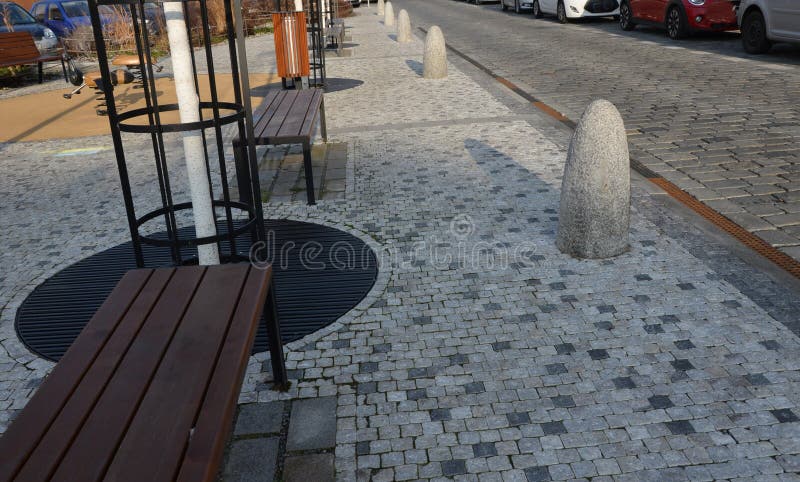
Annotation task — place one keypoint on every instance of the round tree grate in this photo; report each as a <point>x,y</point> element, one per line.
<point>321,273</point>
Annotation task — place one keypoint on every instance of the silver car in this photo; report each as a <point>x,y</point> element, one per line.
<point>766,21</point>
<point>517,5</point>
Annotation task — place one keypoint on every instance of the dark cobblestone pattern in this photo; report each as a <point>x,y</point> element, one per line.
<point>723,126</point>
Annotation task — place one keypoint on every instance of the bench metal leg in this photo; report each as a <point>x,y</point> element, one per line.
<point>276,356</point>
<point>323,127</point>
<point>309,172</point>
<point>41,72</point>
<point>242,172</point>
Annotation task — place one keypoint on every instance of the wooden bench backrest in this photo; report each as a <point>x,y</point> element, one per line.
<point>17,47</point>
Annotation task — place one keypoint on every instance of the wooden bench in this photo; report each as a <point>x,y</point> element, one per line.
<point>149,389</point>
<point>335,35</point>
<point>18,48</point>
<point>284,117</point>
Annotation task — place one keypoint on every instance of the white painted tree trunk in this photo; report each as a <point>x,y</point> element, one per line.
<point>298,5</point>
<point>188,107</point>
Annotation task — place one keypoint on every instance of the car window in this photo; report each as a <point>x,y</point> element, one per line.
<point>38,12</point>
<point>76,8</point>
<point>53,13</point>
<point>13,14</point>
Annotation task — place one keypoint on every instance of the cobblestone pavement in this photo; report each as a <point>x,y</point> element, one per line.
<point>721,125</point>
<point>482,353</point>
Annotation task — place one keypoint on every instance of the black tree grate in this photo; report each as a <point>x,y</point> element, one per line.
<point>321,273</point>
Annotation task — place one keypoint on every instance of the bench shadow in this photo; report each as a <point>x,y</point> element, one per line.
<point>415,65</point>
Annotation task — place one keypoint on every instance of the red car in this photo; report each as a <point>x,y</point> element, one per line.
<point>679,17</point>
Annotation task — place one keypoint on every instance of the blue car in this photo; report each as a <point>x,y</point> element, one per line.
<point>64,16</point>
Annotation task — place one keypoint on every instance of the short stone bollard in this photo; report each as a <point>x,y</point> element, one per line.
<point>380,7</point>
<point>594,215</point>
<point>403,27</point>
<point>434,61</point>
<point>388,15</point>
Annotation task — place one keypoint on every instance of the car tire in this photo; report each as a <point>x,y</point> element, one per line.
<point>537,10</point>
<point>503,5</point>
<point>626,17</point>
<point>561,12</point>
<point>754,33</point>
<point>676,23</point>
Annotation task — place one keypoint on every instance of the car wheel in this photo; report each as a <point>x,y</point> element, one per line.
<point>676,24</point>
<point>754,33</point>
<point>537,10</point>
<point>561,12</point>
<point>503,5</point>
<point>626,17</point>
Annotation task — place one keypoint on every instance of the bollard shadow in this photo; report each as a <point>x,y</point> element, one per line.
<point>415,65</point>
<point>524,197</point>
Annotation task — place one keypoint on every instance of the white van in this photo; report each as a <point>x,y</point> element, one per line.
<point>765,21</point>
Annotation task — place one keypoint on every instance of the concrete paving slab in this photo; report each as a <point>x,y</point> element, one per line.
<point>312,424</point>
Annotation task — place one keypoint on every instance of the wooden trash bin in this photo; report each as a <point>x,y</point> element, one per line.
<point>291,45</point>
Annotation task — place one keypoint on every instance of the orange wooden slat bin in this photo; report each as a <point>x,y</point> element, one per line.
<point>291,44</point>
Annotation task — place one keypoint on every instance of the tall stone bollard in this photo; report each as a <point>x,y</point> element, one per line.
<point>388,15</point>
<point>403,27</point>
<point>380,7</point>
<point>434,61</point>
<point>594,215</point>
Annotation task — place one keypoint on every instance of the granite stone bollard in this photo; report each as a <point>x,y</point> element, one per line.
<point>381,7</point>
<point>403,27</point>
<point>594,215</point>
<point>434,61</point>
<point>388,15</point>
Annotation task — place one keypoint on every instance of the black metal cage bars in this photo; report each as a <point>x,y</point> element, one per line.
<point>214,114</point>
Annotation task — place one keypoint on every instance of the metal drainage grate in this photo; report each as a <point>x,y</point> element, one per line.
<point>337,273</point>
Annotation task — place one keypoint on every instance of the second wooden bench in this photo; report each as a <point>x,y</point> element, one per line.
<point>284,117</point>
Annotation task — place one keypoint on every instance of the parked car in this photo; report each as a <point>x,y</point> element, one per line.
<point>14,18</point>
<point>517,5</point>
<point>765,21</point>
<point>65,16</point>
<point>355,3</point>
<point>565,10</point>
<point>679,17</point>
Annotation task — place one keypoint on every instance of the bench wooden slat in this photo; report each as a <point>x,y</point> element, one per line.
<point>269,113</point>
<point>212,427</point>
<point>258,113</point>
<point>18,48</point>
<point>32,423</point>
<point>297,115</point>
<point>55,442</point>
<point>278,115</point>
<point>93,448</point>
<point>156,439</point>
<point>314,108</point>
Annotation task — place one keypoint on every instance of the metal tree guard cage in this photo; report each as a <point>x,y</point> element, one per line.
<point>232,219</point>
<point>291,45</point>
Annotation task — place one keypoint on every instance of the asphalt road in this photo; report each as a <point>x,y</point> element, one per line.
<point>720,124</point>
